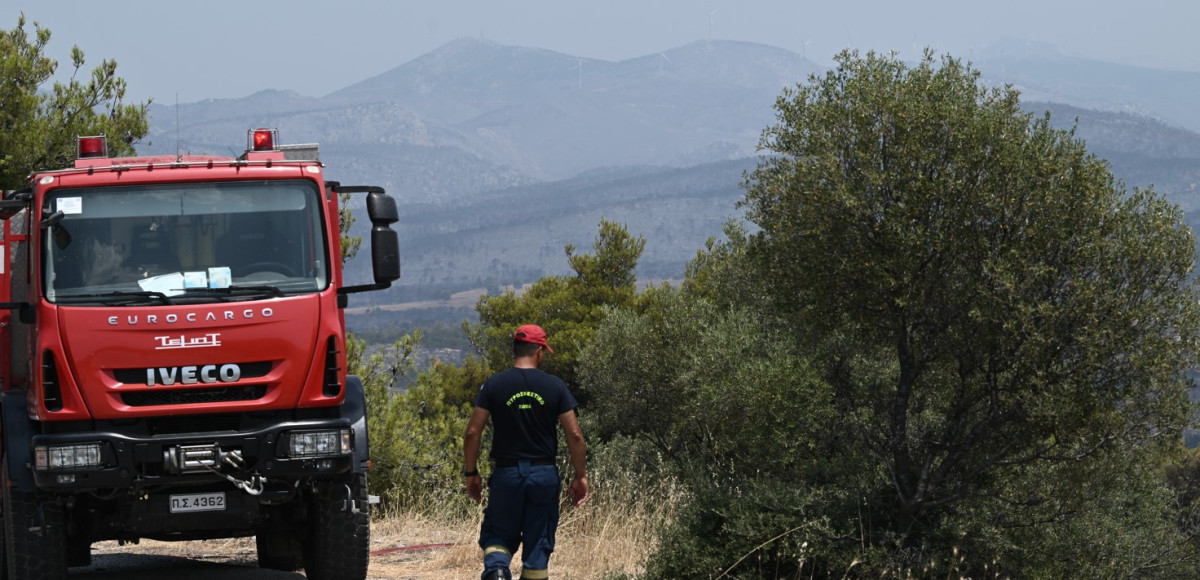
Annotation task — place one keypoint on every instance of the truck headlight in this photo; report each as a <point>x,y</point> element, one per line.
<point>67,457</point>
<point>307,444</point>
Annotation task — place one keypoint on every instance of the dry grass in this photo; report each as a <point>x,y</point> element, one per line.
<point>606,535</point>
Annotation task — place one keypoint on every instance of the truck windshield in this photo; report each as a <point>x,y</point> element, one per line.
<point>202,241</point>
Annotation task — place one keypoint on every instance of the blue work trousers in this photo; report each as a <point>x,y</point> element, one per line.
<point>522,509</point>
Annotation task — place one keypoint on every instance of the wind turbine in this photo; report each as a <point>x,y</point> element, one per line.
<point>710,22</point>
<point>662,65</point>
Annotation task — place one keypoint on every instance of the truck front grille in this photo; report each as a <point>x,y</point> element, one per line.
<point>191,396</point>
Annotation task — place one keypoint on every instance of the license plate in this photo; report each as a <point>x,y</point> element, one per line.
<point>197,502</point>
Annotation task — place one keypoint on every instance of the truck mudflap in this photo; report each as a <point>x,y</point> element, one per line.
<point>249,458</point>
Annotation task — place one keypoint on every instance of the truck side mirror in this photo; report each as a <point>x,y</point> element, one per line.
<point>385,242</point>
<point>24,310</point>
<point>12,202</point>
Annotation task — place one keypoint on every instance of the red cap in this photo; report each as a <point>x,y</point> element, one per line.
<point>532,333</point>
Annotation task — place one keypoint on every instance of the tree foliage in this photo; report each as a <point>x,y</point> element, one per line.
<point>38,128</point>
<point>569,308</point>
<point>350,244</point>
<point>416,432</point>
<point>381,373</point>
<point>690,376</point>
<point>985,299</point>
<point>741,416</point>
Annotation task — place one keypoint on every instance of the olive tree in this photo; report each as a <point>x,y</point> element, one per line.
<point>987,302</point>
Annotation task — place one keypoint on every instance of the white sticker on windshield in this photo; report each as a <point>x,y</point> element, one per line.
<point>70,205</point>
<point>218,277</point>
<point>195,280</point>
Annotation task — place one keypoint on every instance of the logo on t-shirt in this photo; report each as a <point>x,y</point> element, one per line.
<point>525,400</point>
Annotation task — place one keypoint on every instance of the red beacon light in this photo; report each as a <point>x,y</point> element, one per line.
<point>91,147</point>
<point>263,139</point>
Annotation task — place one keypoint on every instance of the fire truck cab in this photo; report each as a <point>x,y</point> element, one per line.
<point>173,359</point>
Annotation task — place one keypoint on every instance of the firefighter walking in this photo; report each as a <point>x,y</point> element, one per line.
<point>525,405</point>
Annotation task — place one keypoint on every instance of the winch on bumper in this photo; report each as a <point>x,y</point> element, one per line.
<point>108,459</point>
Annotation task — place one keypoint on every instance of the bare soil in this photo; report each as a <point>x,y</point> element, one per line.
<point>590,544</point>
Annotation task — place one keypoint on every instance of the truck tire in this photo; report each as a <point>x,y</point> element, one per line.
<point>339,543</point>
<point>34,534</point>
<point>279,550</point>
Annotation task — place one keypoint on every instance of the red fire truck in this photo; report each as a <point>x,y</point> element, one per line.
<point>175,359</point>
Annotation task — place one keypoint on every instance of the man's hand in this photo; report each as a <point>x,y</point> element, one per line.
<point>578,492</point>
<point>475,488</point>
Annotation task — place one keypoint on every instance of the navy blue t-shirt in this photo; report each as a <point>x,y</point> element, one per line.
<point>525,405</point>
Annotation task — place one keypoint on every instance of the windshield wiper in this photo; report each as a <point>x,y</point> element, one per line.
<point>232,292</point>
<point>117,298</point>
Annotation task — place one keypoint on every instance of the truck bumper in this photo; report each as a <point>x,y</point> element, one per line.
<point>132,455</point>
<point>99,460</point>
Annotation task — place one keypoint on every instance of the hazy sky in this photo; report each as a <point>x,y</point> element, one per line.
<point>220,49</point>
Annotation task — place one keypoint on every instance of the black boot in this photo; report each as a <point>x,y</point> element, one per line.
<point>501,574</point>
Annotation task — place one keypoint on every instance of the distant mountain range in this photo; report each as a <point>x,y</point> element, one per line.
<point>474,116</point>
<point>501,155</point>
<point>1042,73</point>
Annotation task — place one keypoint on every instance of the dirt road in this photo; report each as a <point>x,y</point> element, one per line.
<point>420,557</point>
<point>157,567</point>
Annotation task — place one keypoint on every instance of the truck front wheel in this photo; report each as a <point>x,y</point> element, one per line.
<point>34,534</point>
<point>340,541</point>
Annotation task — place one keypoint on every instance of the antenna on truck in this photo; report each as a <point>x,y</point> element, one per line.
<point>178,152</point>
